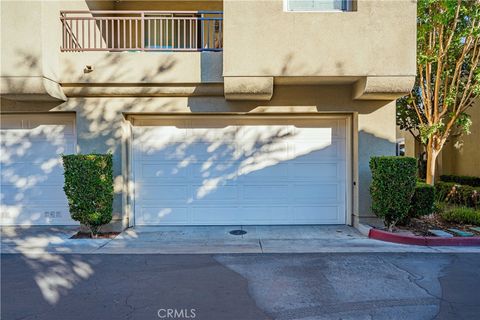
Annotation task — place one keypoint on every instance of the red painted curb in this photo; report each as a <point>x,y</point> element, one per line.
<point>422,241</point>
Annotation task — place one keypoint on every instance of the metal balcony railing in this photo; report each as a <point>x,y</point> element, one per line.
<point>142,30</point>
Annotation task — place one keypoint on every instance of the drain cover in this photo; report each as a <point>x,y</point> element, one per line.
<point>238,232</point>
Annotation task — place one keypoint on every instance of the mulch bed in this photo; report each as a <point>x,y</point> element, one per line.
<point>420,226</point>
<point>87,235</point>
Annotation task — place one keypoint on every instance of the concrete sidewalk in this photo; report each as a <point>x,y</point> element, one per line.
<point>207,240</point>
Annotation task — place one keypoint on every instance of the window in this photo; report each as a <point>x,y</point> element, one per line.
<point>319,5</point>
<point>401,147</point>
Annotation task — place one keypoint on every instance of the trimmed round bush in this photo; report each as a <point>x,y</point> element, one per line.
<point>423,200</point>
<point>89,188</point>
<point>392,188</point>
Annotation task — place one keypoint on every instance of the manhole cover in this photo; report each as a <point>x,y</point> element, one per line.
<point>238,232</point>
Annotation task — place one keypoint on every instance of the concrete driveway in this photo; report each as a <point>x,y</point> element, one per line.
<point>242,286</point>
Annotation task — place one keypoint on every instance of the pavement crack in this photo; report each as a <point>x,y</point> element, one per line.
<point>260,244</point>
<point>102,245</point>
<point>131,307</point>
<point>413,278</point>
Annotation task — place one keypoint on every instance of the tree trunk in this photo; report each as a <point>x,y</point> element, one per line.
<point>431,162</point>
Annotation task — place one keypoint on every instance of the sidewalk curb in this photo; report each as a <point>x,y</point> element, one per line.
<point>363,229</point>
<point>422,241</point>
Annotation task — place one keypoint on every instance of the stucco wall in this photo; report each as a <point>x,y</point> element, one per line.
<point>464,159</point>
<point>141,67</point>
<point>261,39</point>
<point>100,125</point>
<point>29,47</point>
<point>412,147</point>
<point>32,64</point>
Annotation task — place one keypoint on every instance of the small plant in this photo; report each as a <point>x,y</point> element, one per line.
<point>392,188</point>
<point>440,207</point>
<point>423,200</point>
<point>89,189</point>
<point>463,215</point>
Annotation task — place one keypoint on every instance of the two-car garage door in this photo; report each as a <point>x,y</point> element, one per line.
<point>240,170</point>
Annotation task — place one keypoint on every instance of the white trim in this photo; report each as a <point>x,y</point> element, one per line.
<point>348,170</point>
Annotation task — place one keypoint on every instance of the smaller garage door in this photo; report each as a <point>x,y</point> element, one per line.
<point>31,169</point>
<point>240,170</point>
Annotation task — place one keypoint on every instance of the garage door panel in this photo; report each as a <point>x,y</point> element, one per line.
<point>241,171</point>
<point>311,151</point>
<point>170,215</point>
<point>223,170</point>
<point>33,194</point>
<point>35,215</point>
<point>164,192</point>
<point>31,170</point>
<point>31,151</point>
<point>317,193</point>
<point>309,126</point>
<point>49,123</point>
<point>309,214</point>
<point>212,134</point>
<point>263,172</point>
<point>172,152</point>
<point>211,193</point>
<point>31,174</point>
<point>192,152</point>
<point>201,152</point>
<point>151,172</point>
<point>314,171</point>
<point>238,215</point>
<point>265,193</point>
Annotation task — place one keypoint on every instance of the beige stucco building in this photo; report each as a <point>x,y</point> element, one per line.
<point>460,155</point>
<point>217,112</point>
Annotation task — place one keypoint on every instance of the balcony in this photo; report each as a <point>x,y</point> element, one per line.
<point>140,52</point>
<point>141,31</point>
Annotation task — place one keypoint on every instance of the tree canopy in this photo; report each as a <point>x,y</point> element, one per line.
<point>448,74</point>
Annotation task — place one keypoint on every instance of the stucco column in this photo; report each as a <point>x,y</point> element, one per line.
<point>99,130</point>
<point>376,137</point>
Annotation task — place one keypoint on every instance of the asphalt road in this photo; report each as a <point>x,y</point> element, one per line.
<point>255,286</point>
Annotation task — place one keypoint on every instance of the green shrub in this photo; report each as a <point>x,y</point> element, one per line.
<point>392,188</point>
<point>443,189</point>
<point>440,207</point>
<point>462,215</point>
<point>423,200</point>
<point>89,188</point>
<point>465,180</point>
<point>453,193</point>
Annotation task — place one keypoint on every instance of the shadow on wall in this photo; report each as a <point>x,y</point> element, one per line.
<point>369,145</point>
<point>100,129</point>
<point>293,66</point>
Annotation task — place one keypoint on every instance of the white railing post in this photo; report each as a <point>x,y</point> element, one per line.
<point>143,30</point>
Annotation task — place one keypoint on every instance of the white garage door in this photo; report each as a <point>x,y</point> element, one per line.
<point>240,171</point>
<point>31,171</point>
